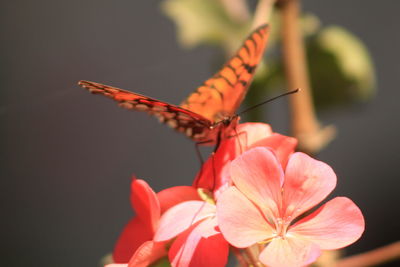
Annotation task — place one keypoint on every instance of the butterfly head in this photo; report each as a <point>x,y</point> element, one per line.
<point>225,126</point>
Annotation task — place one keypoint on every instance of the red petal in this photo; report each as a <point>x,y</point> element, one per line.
<point>171,196</point>
<point>289,252</point>
<point>200,246</point>
<point>182,216</point>
<point>133,236</point>
<point>212,174</point>
<point>336,224</point>
<point>145,203</point>
<point>148,253</point>
<point>240,221</point>
<point>258,175</point>
<point>307,183</point>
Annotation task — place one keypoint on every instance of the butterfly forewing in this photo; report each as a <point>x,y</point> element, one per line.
<point>221,95</point>
<point>192,124</point>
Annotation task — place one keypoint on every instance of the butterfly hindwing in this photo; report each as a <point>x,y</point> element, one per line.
<point>222,94</point>
<point>185,121</point>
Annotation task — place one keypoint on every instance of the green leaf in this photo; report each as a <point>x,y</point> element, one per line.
<point>203,21</point>
<point>163,262</point>
<point>341,69</point>
<point>106,259</point>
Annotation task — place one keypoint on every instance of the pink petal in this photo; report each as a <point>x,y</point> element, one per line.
<point>116,265</point>
<point>289,252</point>
<point>147,254</point>
<point>255,132</point>
<point>240,221</point>
<point>182,216</point>
<point>258,175</point>
<point>133,236</point>
<point>201,245</point>
<point>245,136</point>
<point>145,203</point>
<point>283,146</point>
<point>171,196</point>
<point>307,183</point>
<point>336,224</point>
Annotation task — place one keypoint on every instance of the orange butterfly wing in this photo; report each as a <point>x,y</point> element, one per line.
<point>221,95</point>
<point>217,99</point>
<point>192,124</point>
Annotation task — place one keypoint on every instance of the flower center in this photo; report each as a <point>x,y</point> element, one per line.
<point>281,226</point>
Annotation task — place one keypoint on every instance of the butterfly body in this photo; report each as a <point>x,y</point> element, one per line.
<point>208,115</point>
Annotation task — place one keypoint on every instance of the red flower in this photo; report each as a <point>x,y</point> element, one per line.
<point>148,207</point>
<point>265,204</point>
<point>214,174</point>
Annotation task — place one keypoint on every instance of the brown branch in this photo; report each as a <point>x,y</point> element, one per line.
<point>305,126</point>
<point>372,258</point>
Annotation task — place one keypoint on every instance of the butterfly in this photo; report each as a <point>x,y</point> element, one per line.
<point>208,114</point>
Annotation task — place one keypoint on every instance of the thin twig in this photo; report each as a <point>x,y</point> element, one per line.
<point>372,258</point>
<point>237,10</point>
<point>305,126</point>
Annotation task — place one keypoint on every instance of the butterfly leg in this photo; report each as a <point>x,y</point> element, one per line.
<point>218,142</point>
<point>208,186</point>
<point>237,134</point>
<point>197,147</point>
<point>214,172</point>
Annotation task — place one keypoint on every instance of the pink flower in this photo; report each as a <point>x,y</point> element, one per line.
<point>214,174</point>
<point>267,205</point>
<point>198,240</point>
<point>136,238</point>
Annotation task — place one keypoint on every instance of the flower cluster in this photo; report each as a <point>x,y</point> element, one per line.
<point>255,195</point>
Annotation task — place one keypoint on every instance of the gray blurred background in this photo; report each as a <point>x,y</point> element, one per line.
<point>67,156</point>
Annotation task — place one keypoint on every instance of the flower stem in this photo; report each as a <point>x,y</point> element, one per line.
<point>305,126</point>
<point>252,254</point>
<point>241,260</point>
<point>263,12</point>
<point>373,257</point>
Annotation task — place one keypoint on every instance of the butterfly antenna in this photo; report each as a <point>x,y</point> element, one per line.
<point>269,100</point>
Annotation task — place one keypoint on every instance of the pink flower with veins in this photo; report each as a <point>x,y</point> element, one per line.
<point>214,174</point>
<point>267,203</point>
<point>135,243</point>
